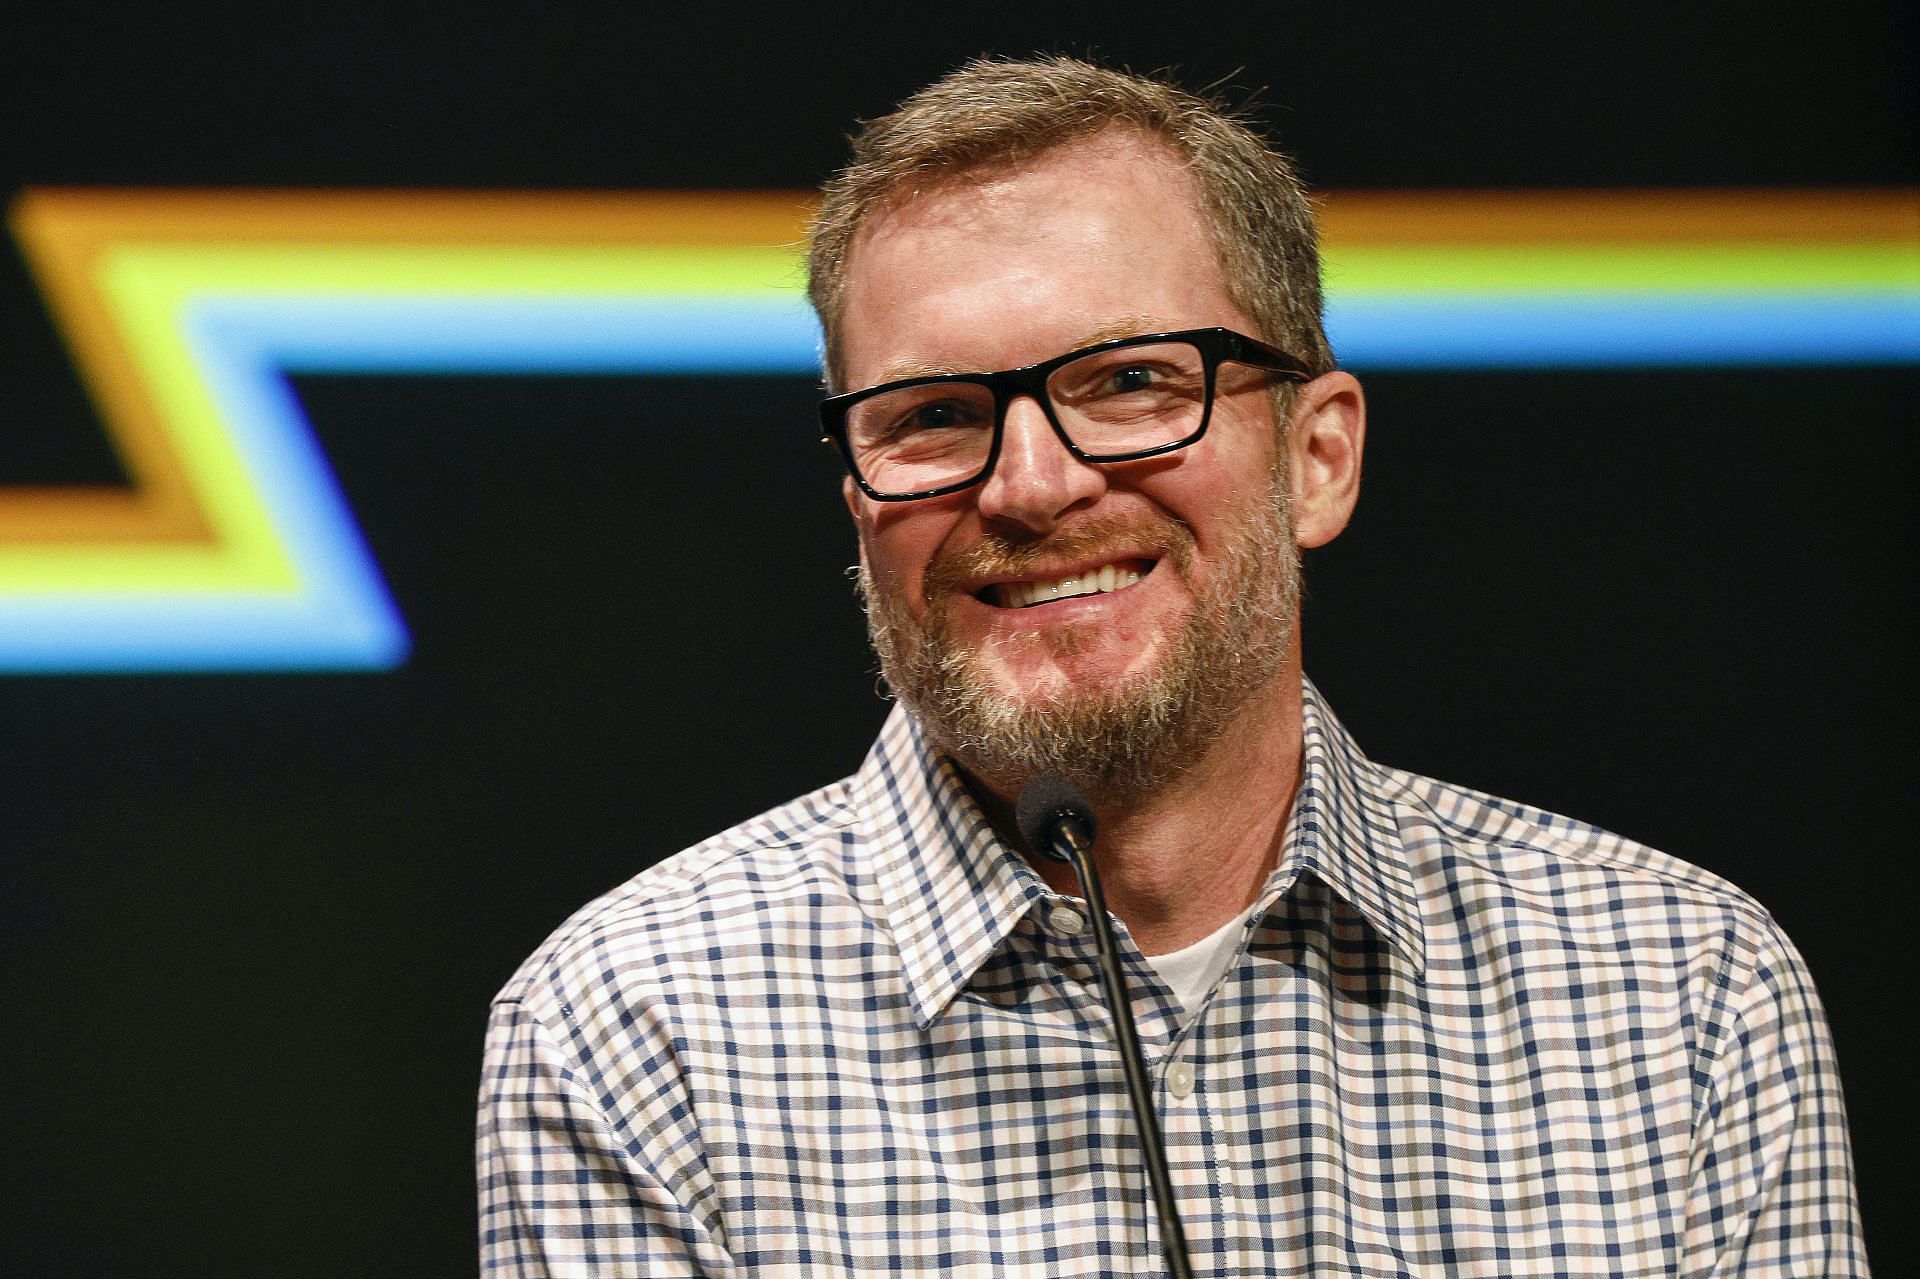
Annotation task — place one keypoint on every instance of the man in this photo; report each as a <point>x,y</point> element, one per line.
<point>1394,1027</point>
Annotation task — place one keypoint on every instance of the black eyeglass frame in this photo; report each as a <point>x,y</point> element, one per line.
<point>1216,346</point>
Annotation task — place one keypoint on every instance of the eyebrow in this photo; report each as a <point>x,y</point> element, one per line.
<point>1126,327</point>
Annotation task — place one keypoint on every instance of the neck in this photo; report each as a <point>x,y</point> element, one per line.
<point>1176,864</point>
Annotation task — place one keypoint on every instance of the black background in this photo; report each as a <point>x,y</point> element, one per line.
<point>249,924</point>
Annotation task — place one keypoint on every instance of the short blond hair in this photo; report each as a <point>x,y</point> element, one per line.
<point>996,114</point>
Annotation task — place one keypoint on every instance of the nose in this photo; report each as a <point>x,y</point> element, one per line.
<point>1036,481</point>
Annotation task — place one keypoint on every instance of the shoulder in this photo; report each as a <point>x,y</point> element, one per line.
<point>1495,861</point>
<point>1534,841</point>
<point>780,876</point>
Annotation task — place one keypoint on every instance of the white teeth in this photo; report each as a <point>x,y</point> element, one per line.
<point>1108,577</point>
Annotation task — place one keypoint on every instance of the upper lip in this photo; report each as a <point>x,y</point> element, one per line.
<point>1050,572</point>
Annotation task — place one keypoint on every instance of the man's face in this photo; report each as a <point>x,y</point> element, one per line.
<point>1190,556</point>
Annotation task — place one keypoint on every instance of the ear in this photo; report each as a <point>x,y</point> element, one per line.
<point>1325,437</point>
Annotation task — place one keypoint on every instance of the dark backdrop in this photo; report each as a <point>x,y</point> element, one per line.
<point>249,924</point>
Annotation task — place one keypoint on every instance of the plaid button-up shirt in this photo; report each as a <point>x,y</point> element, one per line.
<point>1459,1037</point>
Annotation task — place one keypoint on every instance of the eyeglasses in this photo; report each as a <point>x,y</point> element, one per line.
<point>1115,401</point>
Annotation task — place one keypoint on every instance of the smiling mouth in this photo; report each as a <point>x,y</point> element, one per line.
<point>1099,581</point>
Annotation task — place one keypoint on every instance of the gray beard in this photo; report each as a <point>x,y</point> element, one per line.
<point>1119,742</point>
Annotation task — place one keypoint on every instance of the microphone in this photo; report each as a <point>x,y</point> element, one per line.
<point>1056,820</point>
<point>1051,810</point>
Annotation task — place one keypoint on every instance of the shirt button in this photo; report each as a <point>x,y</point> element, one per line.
<point>1066,921</point>
<point>1180,1079</point>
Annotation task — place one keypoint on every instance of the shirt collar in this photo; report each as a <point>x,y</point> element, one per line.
<point>1343,830</point>
<point>952,889</point>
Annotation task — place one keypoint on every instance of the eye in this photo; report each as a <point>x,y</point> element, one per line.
<point>920,414</point>
<point>1131,377</point>
<point>937,416</point>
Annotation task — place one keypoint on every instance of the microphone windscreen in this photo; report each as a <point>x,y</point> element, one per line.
<point>1046,802</point>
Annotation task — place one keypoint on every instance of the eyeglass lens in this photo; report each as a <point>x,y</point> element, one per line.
<point>1110,403</point>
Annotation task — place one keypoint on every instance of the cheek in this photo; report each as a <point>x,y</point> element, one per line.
<point>1241,478</point>
<point>897,543</point>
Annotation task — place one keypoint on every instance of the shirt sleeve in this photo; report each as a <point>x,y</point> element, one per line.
<point>565,1189</point>
<point>1771,1183</point>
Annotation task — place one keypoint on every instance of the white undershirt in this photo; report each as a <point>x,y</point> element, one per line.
<point>1192,970</point>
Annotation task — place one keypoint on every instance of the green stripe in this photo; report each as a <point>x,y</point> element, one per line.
<point>456,269</point>
<point>1640,268</point>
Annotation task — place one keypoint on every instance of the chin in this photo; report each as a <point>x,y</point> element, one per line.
<point>1114,704</point>
<point>1091,676</point>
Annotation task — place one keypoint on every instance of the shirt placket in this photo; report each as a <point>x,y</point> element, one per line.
<point>1176,1060</point>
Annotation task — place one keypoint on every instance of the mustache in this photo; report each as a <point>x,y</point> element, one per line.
<point>999,555</point>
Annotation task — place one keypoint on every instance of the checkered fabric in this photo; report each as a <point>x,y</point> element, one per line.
<point>1459,1037</point>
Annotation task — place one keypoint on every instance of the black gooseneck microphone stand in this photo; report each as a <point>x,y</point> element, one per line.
<point>1056,820</point>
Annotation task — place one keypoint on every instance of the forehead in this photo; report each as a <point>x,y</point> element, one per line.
<point>1114,166</point>
<point>993,268</point>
